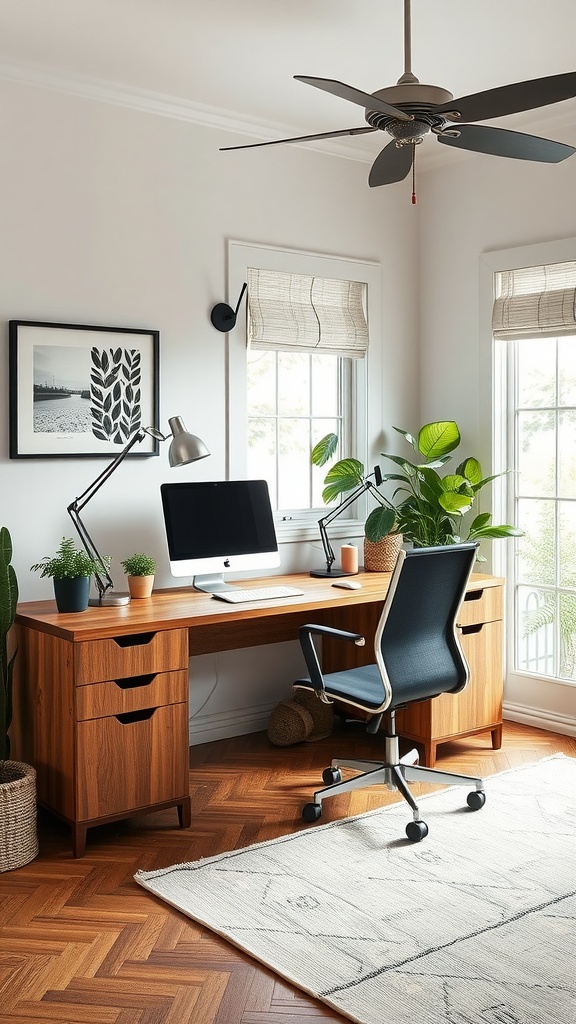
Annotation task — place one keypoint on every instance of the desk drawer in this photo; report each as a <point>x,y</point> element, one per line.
<point>482,605</point>
<point>133,655</point>
<point>131,762</point>
<point>133,694</point>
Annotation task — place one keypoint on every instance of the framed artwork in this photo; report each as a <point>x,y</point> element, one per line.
<point>81,391</point>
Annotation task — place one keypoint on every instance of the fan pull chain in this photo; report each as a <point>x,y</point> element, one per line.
<point>414,200</point>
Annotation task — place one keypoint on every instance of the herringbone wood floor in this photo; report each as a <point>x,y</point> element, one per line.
<point>81,942</point>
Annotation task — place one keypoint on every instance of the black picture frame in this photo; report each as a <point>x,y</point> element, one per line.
<point>78,391</point>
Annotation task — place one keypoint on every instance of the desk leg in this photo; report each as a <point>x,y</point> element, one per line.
<point>79,839</point>
<point>496,737</point>
<point>185,813</point>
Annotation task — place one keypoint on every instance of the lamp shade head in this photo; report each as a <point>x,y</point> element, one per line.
<point>184,447</point>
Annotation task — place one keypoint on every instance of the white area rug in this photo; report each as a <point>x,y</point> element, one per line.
<point>474,925</point>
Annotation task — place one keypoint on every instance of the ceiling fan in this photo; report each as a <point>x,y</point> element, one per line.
<point>408,111</point>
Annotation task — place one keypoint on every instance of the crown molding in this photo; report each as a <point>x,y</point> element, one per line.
<point>165,105</point>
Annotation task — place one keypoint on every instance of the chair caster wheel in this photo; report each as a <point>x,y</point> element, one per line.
<point>311,812</point>
<point>330,776</point>
<point>416,830</point>
<point>476,800</point>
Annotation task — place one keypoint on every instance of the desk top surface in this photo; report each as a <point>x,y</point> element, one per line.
<point>184,607</point>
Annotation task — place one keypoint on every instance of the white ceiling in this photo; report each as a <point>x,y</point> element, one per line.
<point>238,57</point>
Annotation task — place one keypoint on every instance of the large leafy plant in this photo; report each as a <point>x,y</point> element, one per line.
<point>430,507</point>
<point>348,475</point>
<point>8,601</point>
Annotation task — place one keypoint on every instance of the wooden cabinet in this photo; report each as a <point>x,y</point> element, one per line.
<point>108,721</point>
<point>478,708</point>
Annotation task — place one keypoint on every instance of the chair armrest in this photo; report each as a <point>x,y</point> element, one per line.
<point>311,658</point>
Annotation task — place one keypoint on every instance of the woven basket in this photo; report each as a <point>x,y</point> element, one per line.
<point>381,555</point>
<point>322,714</point>
<point>18,837</point>
<point>289,723</point>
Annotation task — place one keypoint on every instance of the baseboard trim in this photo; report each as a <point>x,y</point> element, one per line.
<point>539,719</point>
<point>221,726</point>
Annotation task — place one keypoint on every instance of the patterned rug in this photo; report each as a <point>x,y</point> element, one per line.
<point>474,925</point>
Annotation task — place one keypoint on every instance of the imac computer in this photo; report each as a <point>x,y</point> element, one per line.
<point>218,527</point>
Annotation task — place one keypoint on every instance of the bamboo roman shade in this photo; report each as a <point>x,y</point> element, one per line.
<point>535,300</point>
<point>297,312</point>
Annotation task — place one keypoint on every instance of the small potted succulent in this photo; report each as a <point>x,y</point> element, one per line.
<point>140,570</point>
<point>71,570</point>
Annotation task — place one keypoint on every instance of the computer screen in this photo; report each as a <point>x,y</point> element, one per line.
<point>217,527</point>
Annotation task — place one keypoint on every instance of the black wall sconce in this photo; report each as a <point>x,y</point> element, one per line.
<point>223,317</point>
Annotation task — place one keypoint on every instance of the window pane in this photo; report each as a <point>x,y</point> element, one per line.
<point>325,385</point>
<point>537,373</point>
<point>567,543</point>
<point>567,453</point>
<point>536,453</point>
<point>536,613</point>
<point>261,383</point>
<point>293,383</point>
<point>261,463</point>
<point>567,371</point>
<point>568,636</point>
<point>294,464</point>
<point>536,550</point>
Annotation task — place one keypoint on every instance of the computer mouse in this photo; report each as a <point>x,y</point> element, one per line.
<point>348,584</point>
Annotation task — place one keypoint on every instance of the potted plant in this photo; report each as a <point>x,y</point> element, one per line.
<point>71,570</point>
<point>140,570</point>
<point>382,536</point>
<point>18,837</point>
<point>433,506</point>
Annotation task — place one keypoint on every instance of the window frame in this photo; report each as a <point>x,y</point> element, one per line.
<point>366,376</point>
<point>494,395</point>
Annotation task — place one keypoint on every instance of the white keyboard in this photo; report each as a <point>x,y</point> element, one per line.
<point>257,594</point>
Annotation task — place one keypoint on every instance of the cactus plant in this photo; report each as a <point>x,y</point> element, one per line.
<point>8,601</point>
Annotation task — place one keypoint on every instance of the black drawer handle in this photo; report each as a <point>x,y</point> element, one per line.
<point>466,630</point>
<point>134,639</point>
<point>136,716</point>
<point>474,595</point>
<point>133,682</point>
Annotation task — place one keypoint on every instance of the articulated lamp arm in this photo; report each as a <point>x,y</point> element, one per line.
<point>326,520</point>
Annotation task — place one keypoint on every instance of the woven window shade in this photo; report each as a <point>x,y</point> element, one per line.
<point>535,300</point>
<point>296,312</point>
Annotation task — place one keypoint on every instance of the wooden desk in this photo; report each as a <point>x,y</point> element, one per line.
<point>101,697</point>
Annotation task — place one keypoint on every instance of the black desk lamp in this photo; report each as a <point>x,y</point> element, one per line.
<point>324,522</point>
<point>184,448</point>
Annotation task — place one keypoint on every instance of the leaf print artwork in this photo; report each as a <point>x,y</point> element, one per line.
<point>115,393</point>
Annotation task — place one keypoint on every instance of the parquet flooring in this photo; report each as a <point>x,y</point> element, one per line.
<point>81,942</point>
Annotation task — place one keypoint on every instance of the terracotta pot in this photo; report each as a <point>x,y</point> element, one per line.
<point>381,555</point>
<point>140,586</point>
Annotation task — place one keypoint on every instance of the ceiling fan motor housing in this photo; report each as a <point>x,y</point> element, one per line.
<point>415,99</point>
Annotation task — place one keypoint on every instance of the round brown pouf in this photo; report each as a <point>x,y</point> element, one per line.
<point>289,723</point>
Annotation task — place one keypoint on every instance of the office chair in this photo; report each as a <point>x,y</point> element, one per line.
<point>417,657</point>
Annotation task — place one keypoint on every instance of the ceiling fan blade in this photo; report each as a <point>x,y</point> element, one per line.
<point>305,138</point>
<point>510,99</point>
<point>392,164</point>
<point>501,142</point>
<point>347,92</point>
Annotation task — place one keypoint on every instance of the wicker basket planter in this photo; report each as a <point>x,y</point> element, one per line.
<point>18,836</point>
<point>381,555</point>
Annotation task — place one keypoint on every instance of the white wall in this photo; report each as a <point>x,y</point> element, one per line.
<point>471,206</point>
<point>115,217</point>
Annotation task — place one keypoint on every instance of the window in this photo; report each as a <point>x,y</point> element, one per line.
<point>285,390</point>
<point>534,326</point>
<point>294,399</point>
